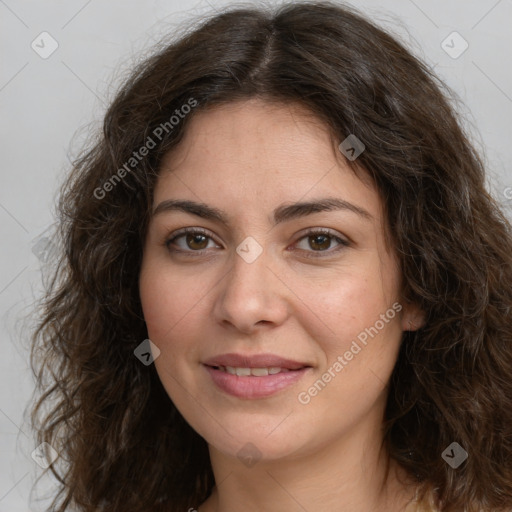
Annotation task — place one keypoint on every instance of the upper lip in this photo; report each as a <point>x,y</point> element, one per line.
<point>254,361</point>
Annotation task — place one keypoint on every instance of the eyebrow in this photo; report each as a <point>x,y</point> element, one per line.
<point>283,213</point>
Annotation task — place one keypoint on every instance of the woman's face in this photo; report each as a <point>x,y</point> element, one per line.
<point>285,274</point>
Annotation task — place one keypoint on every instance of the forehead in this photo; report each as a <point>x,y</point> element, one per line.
<point>260,154</point>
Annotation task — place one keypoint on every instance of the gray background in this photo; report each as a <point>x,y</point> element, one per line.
<point>49,105</point>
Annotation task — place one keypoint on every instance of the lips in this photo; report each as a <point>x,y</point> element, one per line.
<point>257,376</point>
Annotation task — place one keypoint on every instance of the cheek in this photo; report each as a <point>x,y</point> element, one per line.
<point>169,300</point>
<point>338,310</point>
<point>170,306</point>
<point>358,358</point>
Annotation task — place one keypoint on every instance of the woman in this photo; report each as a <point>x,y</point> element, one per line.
<point>285,286</point>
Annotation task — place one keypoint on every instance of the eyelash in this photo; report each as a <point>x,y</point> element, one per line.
<point>310,232</point>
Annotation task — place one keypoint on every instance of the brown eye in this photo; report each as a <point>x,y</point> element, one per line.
<point>196,241</point>
<point>190,241</point>
<point>319,242</point>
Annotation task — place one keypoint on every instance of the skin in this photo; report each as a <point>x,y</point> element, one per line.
<point>248,158</point>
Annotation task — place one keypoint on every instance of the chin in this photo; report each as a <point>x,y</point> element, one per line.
<point>265,439</point>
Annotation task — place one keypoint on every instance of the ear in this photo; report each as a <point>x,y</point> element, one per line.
<point>413,318</point>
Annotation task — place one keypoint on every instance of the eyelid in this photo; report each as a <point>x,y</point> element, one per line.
<point>323,231</point>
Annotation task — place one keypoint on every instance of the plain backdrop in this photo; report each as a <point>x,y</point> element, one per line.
<point>49,104</point>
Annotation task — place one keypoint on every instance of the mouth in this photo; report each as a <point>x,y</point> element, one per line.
<point>253,377</point>
<point>254,372</point>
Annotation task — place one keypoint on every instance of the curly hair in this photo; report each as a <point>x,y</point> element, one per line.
<point>122,443</point>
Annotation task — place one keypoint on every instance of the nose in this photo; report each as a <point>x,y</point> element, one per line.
<point>251,296</point>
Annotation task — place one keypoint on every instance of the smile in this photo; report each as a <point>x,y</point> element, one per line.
<point>255,372</point>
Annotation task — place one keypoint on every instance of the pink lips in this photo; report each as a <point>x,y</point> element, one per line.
<point>252,387</point>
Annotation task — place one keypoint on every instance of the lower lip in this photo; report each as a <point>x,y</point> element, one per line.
<point>254,387</point>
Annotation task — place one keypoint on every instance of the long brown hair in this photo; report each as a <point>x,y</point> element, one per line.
<point>122,443</point>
